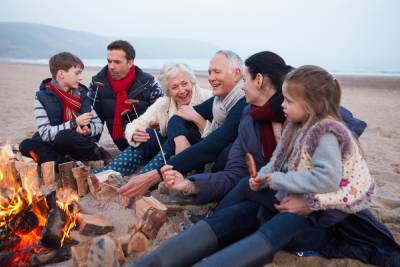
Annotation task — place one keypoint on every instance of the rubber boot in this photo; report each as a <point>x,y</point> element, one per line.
<point>184,250</point>
<point>254,250</point>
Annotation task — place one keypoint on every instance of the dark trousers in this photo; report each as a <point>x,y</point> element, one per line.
<point>284,230</point>
<point>242,192</point>
<point>67,142</point>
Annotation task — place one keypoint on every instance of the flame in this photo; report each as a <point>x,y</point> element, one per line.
<point>65,199</point>
<point>16,198</point>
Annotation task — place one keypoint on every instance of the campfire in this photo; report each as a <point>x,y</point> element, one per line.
<point>33,227</point>
<point>42,223</point>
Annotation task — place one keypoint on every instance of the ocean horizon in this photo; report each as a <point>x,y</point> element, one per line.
<point>201,64</point>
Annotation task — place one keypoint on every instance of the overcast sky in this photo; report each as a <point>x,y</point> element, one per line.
<point>335,30</point>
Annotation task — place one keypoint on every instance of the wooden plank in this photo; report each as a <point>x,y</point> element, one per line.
<point>29,176</point>
<point>81,175</point>
<point>144,203</point>
<point>66,177</point>
<point>48,170</point>
<point>90,224</point>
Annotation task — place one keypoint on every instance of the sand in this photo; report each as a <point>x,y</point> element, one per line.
<point>375,99</point>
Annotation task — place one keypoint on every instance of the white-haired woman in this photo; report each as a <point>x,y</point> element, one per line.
<point>182,91</point>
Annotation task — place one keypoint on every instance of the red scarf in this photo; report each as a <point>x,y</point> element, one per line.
<point>264,115</point>
<point>120,88</point>
<point>69,101</point>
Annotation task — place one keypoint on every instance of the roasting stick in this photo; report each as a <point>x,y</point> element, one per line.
<point>155,125</point>
<point>132,102</point>
<point>98,85</point>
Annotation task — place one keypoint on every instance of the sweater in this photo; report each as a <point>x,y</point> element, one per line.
<point>161,111</point>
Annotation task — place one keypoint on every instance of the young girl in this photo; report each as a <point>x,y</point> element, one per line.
<point>308,193</point>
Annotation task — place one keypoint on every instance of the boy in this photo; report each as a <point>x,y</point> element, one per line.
<point>67,124</point>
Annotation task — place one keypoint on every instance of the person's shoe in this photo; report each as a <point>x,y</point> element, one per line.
<point>184,249</point>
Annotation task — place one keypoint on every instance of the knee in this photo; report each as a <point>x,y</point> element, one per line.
<point>65,137</point>
<point>25,146</point>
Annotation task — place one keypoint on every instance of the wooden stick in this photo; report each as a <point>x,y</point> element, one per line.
<point>48,173</point>
<point>159,144</point>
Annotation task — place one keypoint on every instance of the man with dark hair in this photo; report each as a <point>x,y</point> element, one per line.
<point>115,83</point>
<point>67,124</point>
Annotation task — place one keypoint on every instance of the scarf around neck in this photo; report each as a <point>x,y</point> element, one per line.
<point>265,115</point>
<point>70,102</point>
<point>120,89</point>
<point>222,107</point>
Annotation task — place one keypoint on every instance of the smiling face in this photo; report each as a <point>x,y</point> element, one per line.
<point>180,88</point>
<point>69,79</point>
<point>294,108</point>
<point>222,76</point>
<point>118,64</point>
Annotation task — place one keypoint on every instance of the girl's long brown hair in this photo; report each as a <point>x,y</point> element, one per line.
<point>319,91</point>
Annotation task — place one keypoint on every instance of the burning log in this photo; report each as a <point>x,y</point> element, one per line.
<point>48,173</point>
<point>28,173</point>
<point>66,177</point>
<point>9,174</point>
<point>53,231</point>
<point>51,256</point>
<point>6,257</point>
<point>8,151</point>
<point>81,175</point>
<point>10,242</point>
<point>24,222</point>
<point>153,219</point>
<point>89,224</point>
<point>145,203</point>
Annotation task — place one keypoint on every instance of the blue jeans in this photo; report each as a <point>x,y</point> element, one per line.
<point>284,231</point>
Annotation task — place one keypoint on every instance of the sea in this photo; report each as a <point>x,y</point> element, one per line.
<point>201,65</point>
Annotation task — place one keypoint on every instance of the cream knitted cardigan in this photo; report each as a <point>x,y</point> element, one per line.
<point>161,111</point>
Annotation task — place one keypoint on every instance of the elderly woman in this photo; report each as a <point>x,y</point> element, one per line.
<point>181,92</point>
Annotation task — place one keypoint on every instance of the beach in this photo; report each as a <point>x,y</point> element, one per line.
<point>374,99</point>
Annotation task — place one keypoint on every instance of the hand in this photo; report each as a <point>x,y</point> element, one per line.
<point>257,183</point>
<point>187,112</point>
<point>294,204</point>
<point>84,119</point>
<point>139,184</point>
<point>140,136</point>
<point>85,130</point>
<point>173,180</point>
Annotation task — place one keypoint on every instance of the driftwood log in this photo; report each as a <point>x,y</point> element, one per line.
<point>66,177</point>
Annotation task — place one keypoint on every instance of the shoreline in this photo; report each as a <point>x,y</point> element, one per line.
<point>391,81</point>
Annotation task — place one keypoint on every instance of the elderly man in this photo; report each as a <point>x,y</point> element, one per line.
<point>223,110</point>
<point>115,83</point>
